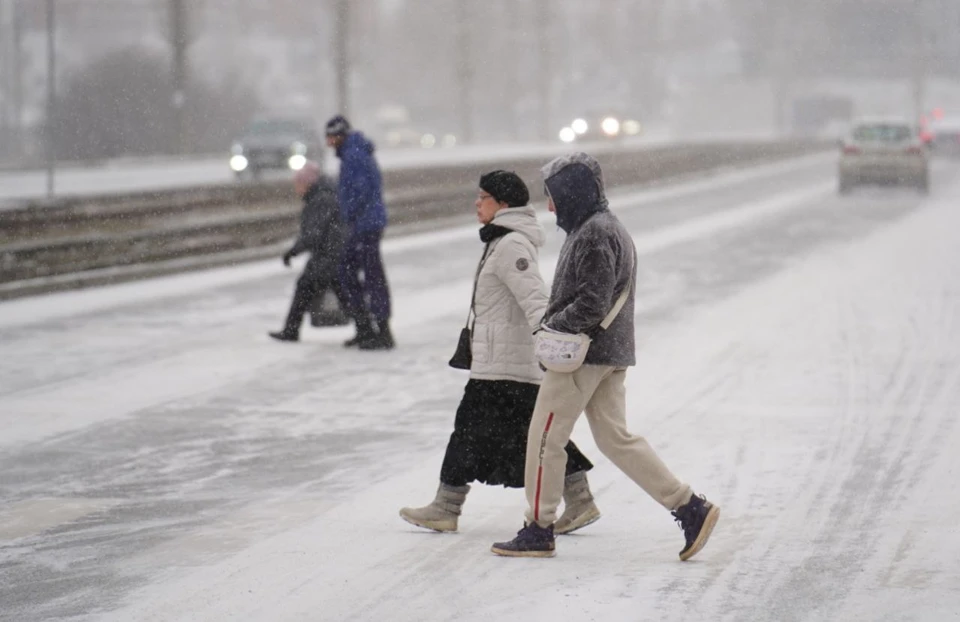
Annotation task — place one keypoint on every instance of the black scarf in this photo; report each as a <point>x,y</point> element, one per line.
<point>491,232</point>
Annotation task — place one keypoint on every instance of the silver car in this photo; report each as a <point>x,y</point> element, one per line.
<point>883,151</point>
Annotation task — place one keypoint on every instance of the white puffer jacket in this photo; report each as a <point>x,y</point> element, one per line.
<point>510,301</point>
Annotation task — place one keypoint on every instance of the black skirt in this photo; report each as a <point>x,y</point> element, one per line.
<point>489,440</point>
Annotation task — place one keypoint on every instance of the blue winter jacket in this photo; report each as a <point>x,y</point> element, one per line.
<point>360,191</point>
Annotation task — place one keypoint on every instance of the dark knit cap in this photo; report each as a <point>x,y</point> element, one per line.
<point>505,187</point>
<point>338,126</point>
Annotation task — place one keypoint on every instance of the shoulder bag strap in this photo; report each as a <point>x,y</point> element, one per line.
<point>622,300</point>
<point>476,279</point>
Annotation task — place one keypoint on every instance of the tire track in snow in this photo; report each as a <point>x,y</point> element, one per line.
<point>875,450</point>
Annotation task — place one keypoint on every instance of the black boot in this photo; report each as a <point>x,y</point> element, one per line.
<point>364,333</point>
<point>697,519</point>
<point>302,297</point>
<point>283,335</point>
<point>382,340</point>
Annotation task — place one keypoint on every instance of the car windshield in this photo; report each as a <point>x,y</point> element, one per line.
<point>883,133</point>
<point>274,127</point>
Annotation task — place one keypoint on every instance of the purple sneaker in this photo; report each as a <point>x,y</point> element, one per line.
<point>531,541</point>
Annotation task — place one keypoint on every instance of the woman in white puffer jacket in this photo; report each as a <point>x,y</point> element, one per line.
<point>489,437</point>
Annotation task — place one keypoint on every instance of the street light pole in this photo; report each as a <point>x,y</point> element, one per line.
<point>464,71</point>
<point>17,76</point>
<point>921,59</point>
<point>179,38</point>
<point>546,79</point>
<point>6,29</point>
<point>341,56</point>
<point>51,94</point>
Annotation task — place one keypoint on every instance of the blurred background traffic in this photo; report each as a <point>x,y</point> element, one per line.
<point>99,79</point>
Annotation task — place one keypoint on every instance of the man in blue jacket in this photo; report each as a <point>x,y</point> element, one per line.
<point>364,216</point>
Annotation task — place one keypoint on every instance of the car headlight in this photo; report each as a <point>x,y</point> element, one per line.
<point>610,126</point>
<point>236,149</point>
<point>428,140</point>
<point>298,148</point>
<point>579,126</point>
<point>568,135</point>
<point>238,163</point>
<point>297,162</point>
<point>632,127</point>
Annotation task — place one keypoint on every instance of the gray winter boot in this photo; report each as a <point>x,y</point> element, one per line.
<point>579,509</point>
<point>442,514</point>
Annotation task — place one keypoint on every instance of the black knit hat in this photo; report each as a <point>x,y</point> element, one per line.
<point>338,126</point>
<point>505,187</point>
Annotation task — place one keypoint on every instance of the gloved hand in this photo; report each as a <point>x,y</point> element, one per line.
<point>287,256</point>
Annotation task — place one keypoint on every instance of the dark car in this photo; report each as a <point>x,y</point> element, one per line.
<point>275,143</point>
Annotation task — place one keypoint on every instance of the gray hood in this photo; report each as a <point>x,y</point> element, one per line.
<point>556,165</point>
<point>575,184</point>
<point>523,220</point>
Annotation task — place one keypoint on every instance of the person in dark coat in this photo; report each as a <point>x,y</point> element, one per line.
<point>593,294</point>
<point>489,438</point>
<point>320,235</point>
<point>366,299</point>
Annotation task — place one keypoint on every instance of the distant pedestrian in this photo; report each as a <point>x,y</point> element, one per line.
<point>320,235</point>
<point>593,295</point>
<point>489,438</point>
<point>366,295</point>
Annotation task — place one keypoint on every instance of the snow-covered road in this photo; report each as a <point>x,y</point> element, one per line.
<point>799,363</point>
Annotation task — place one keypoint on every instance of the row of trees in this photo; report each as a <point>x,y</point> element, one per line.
<point>492,69</point>
<point>121,105</point>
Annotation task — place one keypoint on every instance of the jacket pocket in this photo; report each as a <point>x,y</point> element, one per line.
<point>481,343</point>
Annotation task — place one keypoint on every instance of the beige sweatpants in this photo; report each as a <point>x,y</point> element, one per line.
<point>597,390</point>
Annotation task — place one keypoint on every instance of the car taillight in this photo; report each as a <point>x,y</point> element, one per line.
<point>851,150</point>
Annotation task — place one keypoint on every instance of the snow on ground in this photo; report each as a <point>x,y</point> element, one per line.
<point>799,363</point>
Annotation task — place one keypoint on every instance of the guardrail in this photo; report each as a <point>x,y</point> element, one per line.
<point>73,242</point>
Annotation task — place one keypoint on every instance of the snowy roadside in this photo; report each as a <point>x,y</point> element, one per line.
<point>816,406</point>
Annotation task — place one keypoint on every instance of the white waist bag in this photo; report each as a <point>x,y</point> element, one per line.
<point>564,352</point>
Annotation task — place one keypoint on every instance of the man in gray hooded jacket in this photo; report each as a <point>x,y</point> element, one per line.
<point>597,264</point>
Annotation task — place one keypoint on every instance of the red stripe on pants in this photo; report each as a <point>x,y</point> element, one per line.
<point>543,443</point>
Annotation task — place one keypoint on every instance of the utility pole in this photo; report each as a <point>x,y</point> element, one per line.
<point>921,58</point>
<point>464,72</point>
<point>17,77</point>
<point>179,38</point>
<point>783,49</point>
<point>341,55</point>
<point>545,73</point>
<point>508,28</point>
<point>5,71</point>
<point>51,94</point>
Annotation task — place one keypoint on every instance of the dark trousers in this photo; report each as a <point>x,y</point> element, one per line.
<point>318,275</point>
<point>489,440</point>
<point>369,296</point>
